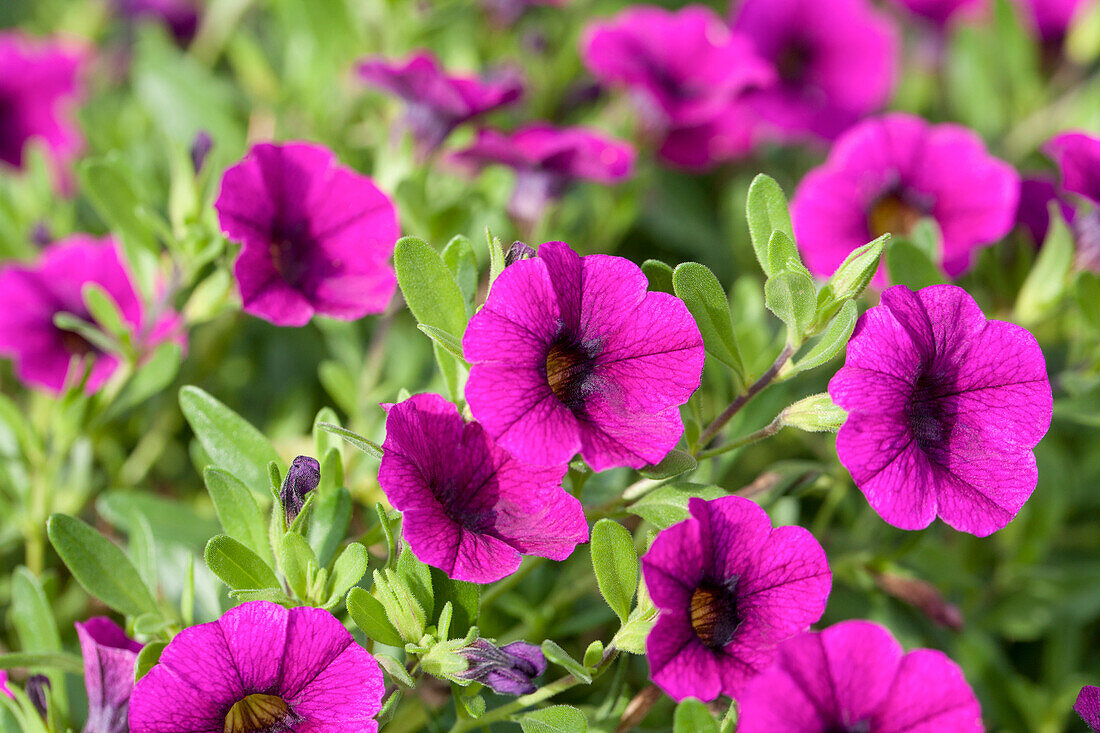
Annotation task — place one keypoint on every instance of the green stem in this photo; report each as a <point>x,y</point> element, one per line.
<point>765,432</point>
<point>754,389</point>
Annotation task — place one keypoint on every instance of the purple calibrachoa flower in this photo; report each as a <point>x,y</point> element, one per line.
<point>886,174</point>
<point>38,87</point>
<point>1037,192</point>
<point>1051,19</point>
<point>571,354</point>
<point>438,102</point>
<point>507,670</point>
<point>689,73</point>
<point>316,236</point>
<point>855,676</point>
<point>836,60</point>
<point>32,294</point>
<point>944,409</point>
<point>729,588</point>
<point>261,667</point>
<point>303,476</point>
<point>468,506</point>
<point>109,657</point>
<point>547,160</point>
<point>181,16</point>
<point>1078,157</point>
<point>1088,706</point>
<point>941,12</point>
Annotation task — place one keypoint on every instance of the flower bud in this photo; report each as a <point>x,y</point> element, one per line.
<point>518,251</point>
<point>38,690</point>
<point>200,148</point>
<point>401,607</point>
<point>814,414</point>
<point>303,477</point>
<point>508,670</point>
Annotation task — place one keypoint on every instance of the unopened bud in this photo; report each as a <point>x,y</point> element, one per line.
<point>814,414</point>
<point>518,251</point>
<point>200,148</point>
<point>303,477</point>
<point>508,670</point>
<point>38,690</point>
<point>923,596</point>
<point>401,607</point>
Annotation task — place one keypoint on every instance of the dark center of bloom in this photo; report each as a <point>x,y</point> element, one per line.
<point>794,62</point>
<point>259,713</point>
<point>714,615</point>
<point>292,251</point>
<point>11,135</point>
<point>568,368</point>
<point>862,726</point>
<point>77,345</point>
<point>929,412</point>
<point>894,214</point>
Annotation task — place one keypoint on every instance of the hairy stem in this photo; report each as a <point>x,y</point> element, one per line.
<point>754,389</point>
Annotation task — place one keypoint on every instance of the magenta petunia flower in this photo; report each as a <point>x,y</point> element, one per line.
<point>887,173</point>
<point>468,506</point>
<point>571,354</point>
<point>38,88</point>
<point>261,667</point>
<point>316,236</point>
<point>1051,19</point>
<point>855,676</point>
<point>689,74</point>
<point>438,102</point>
<point>547,160</point>
<point>32,294</point>
<point>944,409</point>
<point>837,61</point>
<point>181,16</point>
<point>729,588</point>
<point>1033,212</point>
<point>1078,157</point>
<point>109,657</point>
<point>1088,706</point>
<point>941,12</point>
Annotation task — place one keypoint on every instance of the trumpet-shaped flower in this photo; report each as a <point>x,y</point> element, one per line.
<point>855,677</point>
<point>261,668</point>
<point>437,102</point>
<point>944,409</point>
<point>316,237</point>
<point>941,12</point>
<point>886,174</point>
<point>689,73</point>
<point>729,588</point>
<point>468,507</point>
<point>572,354</point>
<point>109,657</point>
<point>32,295</point>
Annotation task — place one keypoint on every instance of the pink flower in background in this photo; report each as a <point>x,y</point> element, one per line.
<point>38,89</point>
<point>887,173</point>
<point>1088,706</point>
<point>1037,192</point>
<point>32,294</point>
<point>571,354</point>
<point>547,160</point>
<point>836,59</point>
<point>468,507</point>
<point>1078,157</point>
<point>942,12</point>
<point>261,667</point>
<point>944,409</point>
<point>1051,19</point>
<point>854,676</point>
<point>688,73</point>
<point>729,588</point>
<point>317,237</point>
<point>109,657</point>
<point>507,12</point>
<point>438,102</point>
<point>181,16</point>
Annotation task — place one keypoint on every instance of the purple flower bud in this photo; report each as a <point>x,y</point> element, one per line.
<point>38,690</point>
<point>518,251</point>
<point>200,148</point>
<point>302,478</point>
<point>507,670</point>
<point>40,235</point>
<point>109,657</point>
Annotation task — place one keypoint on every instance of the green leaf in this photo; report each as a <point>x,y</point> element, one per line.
<point>430,289</point>
<point>459,258</point>
<point>692,716</point>
<point>616,564</point>
<point>850,280</point>
<point>99,566</point>
<point>815,414</point>
<point>237,566</point>
<point>295,557</point>
<point>371,449</point>
<point>1047,282</point>
<point>418,577</point>
<point>496,256</point>
<point>171,520</point>
<point>445,340</point>
<point>87,331</point>
<point>659,275</point>
<point>395,669</point>
<point>329,524</point>
<point>148,657</point>
<point>104,310</point>
<point>701,292</point>
<point>368,614</point>
<point>231,441</point>
<point>767,213</point>
<point>323,440</point>
<point>783,254</point>
<point>349,569</point>
<point>560,657</point>
<point>239,514</point>
<point>554,719</point>
<point>151,378</point>
<point>31,614</point>
<point>464,597</point>
<point>791,296</point>
<point>1087,291</point>
<point>831,342</point>
<point>631,637</point>
<point>667,505</point>
<point>108,184</point>
<point>911,266</point>
<point>675,463</point>
<point>42,660</point>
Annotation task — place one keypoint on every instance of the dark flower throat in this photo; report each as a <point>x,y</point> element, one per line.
<point>259,713</point>
<point>569,366</point>
<point>714,613</point>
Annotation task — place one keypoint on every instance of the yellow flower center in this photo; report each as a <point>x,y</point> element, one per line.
<point>260,713</point>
